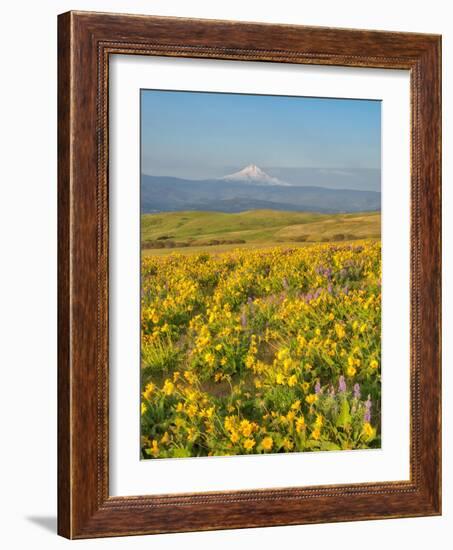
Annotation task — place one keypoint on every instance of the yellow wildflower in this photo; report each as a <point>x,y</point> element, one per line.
<point>154,448</point>
<point>300,424</point>
<point>209,358</point>
<point>190,376</point>
<point>368,431</point>
<point>310,399</point>
<point>191,410</point>
<point>229,423</point>
<point>249,444</point>
<point>287,364</point>
<point>350,371</point>
<point>149,389</point>
<point>246,428</point>
<point>316,433</point>
<point>169,387</point>
<point>339,329</point>
<point>267,443</point>
<point>288,444</point>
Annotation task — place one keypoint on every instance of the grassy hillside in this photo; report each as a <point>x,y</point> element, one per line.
<point>162,233</point>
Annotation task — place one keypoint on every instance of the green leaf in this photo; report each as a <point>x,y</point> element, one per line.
<point>181,452</point>
<point>329,446</point>
<point>313,444</point>
<point>344,418</point>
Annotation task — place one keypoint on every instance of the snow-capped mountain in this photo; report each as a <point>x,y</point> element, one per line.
<point>252,174</point>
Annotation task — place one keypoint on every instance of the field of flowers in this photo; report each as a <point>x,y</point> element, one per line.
<point>261,351</point>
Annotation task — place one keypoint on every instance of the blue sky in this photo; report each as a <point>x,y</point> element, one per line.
<point>202,135</point>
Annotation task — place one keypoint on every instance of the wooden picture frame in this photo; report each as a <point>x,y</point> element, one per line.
<point>85,42</point>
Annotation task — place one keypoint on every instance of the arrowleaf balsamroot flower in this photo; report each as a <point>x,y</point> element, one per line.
<point>312,398</point>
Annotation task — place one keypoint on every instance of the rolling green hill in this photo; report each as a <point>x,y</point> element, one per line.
<point>192,231</point>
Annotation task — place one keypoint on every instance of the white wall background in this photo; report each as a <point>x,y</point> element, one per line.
<point>28,269</point>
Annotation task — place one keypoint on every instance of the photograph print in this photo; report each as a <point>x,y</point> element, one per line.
<point>260,274</point>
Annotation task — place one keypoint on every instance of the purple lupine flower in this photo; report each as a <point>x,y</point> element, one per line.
<point>309,297</point>
<point>367,413</point>
<point>329,288</point>
<point>317,387</point>
<point>357,391</point>
<point>341,384</point>
<point>317,293</point>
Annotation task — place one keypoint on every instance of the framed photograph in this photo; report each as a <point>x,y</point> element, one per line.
<point>249,275</point>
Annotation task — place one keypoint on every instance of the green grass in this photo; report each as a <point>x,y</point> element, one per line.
<point>193,231</point>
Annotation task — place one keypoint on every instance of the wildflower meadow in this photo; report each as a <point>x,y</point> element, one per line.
<point>266,350</point>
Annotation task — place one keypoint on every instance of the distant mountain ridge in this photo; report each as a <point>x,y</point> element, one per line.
<point>359,179</point>
<point>249,190</point>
